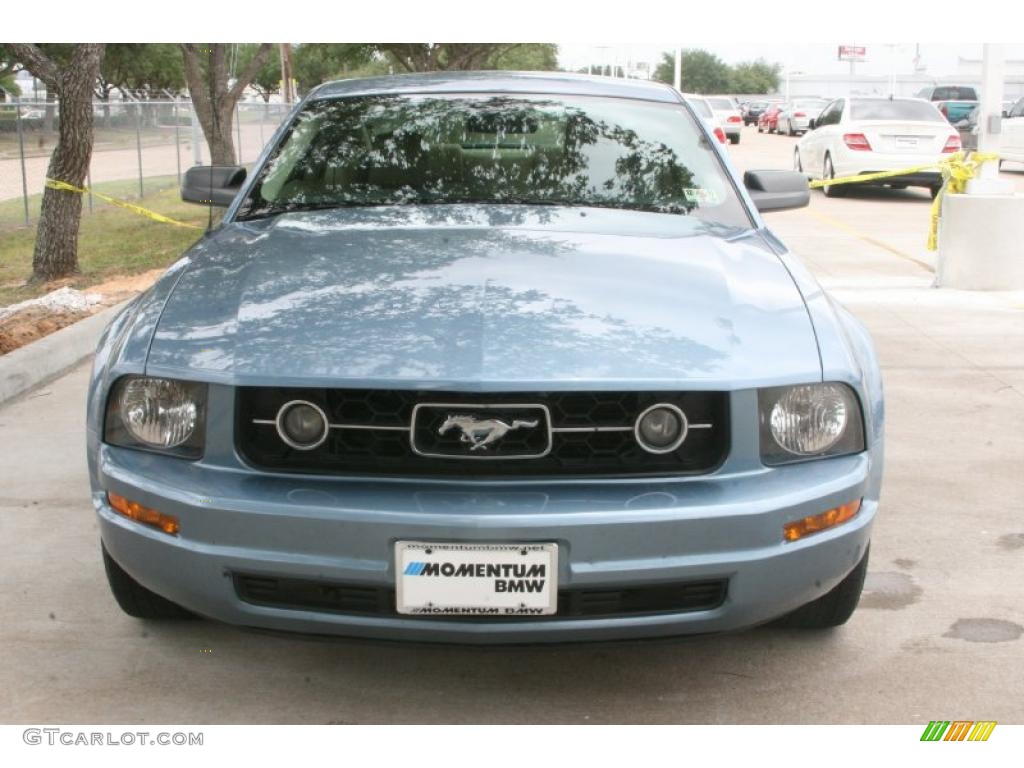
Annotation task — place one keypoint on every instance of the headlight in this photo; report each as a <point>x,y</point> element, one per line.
<point>809,421</point>
<point>158,414</point>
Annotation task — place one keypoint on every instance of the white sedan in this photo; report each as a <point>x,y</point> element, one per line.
<point>859,135</point>
<point>706,114</point>
<point>728,113</point>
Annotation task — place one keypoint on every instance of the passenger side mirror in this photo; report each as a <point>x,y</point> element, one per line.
<point>811,124</point>
<point>212,184</point>
<point>777,190</point>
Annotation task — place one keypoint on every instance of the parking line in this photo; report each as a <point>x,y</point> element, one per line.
<point>825,219</point>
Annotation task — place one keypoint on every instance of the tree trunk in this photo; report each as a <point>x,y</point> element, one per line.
<point>213,100</point>
<point>56,248</point>
<point>56,251</point>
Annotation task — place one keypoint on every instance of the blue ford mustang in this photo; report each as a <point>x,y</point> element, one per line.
<point>488,357</point>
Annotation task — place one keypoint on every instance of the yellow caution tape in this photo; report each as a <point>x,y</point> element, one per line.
<point>871,176</point>
<point>956,171</point>
<point>65,187</point>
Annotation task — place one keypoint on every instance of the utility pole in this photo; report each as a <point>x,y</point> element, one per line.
<point>677,77</point>
<point>287,91</point>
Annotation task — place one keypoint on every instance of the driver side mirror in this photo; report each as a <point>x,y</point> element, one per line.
<point>777,190</point>
<point>212,184</point>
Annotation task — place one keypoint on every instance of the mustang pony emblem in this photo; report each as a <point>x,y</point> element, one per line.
<point>480,433</point>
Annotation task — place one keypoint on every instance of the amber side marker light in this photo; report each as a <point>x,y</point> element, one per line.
<point>817,523</point>
<point>135,511</point>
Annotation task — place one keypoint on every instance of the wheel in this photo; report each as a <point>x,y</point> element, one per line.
<point>834,608</point>
<point>135,599</point>
<point>759,128</point>
<point>734,139</point>
<point>789,128</point>
<point>828,172</point>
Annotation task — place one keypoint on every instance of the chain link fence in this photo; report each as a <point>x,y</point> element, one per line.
<point>140,148</point>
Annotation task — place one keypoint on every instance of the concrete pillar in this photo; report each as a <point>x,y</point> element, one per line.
<point>990,116</point>
<point>980,233</point>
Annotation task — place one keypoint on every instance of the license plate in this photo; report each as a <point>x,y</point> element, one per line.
<point>906,142</point>
<point>448,579</point>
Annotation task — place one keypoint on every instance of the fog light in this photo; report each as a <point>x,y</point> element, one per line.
<point>140,514</point>
<point>816,523</point>
<point>661,428</point>
<point>302,425</point>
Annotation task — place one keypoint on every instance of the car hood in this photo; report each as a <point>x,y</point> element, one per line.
<point>470,297</point>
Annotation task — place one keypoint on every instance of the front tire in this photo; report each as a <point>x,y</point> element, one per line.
<point>834,608</point>
<point>135,599</point>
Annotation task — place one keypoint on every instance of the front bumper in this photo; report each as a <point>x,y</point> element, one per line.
<point>611,534</point>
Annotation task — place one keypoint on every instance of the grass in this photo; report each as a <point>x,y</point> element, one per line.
<point>112,241</point>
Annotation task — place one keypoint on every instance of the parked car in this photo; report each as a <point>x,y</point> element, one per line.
<point>1012,144</point>
<point>797,114</point>
<point>769,120</point>
<point>707,115</point>
<point>967,127</point>
<point>752,110</point>
<point>955,111</point>
<point>728,114</point>
<point>487,357</point>
<point>869,134</point>
<point>947,93</point>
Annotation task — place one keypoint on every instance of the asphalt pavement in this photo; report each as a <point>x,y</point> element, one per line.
<point>938,634</point>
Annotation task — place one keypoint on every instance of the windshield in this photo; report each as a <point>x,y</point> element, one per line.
<point>894,109</point>
<point>810,105</point>
<point>557,150</point>
<point>954,93</point>
<point>722,103</point>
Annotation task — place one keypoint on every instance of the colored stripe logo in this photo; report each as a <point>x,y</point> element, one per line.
<point>414,569</point>
<point>958,730</point>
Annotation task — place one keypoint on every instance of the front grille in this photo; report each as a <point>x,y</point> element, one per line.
<point>361,600</point>
<point>567,433</point>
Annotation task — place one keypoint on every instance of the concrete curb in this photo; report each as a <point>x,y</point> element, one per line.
<point>52,355</point>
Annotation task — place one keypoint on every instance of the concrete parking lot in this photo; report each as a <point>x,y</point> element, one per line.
<point>938,634</point>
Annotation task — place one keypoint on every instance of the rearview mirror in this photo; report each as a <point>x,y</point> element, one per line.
<point>777,190</point>
<point>212,184</point>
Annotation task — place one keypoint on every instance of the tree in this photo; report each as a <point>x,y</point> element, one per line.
<point>754,77</point>
<point>8,69</point>
<point>56,248</point>
<point>315,63</point>
<point>213,97</point>
<point>526,57</point>
<point>267,80</point>
<point>702,72</point>
<point>140,69</point>
<point>430,57</point>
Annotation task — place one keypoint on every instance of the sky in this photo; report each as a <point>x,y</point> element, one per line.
<point>938,58</point>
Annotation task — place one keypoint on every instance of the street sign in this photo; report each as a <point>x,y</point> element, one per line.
<point>852,52</point>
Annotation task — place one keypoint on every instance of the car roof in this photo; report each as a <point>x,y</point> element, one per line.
<point>565,83</point>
